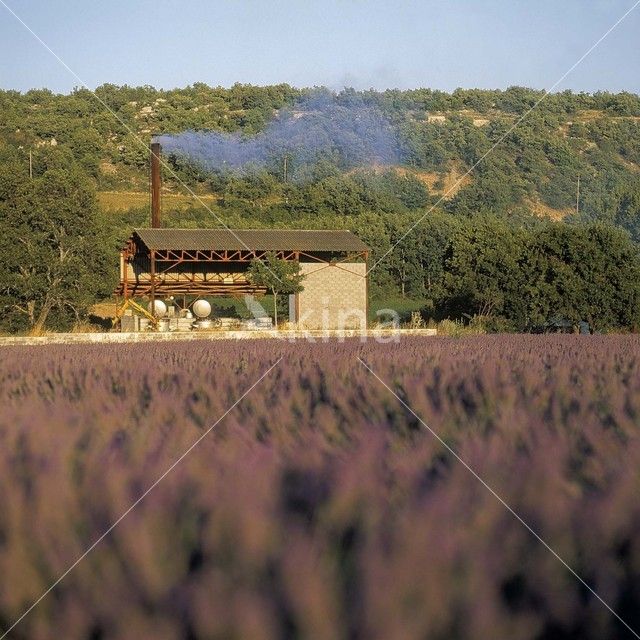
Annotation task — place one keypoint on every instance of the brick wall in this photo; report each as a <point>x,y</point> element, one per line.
<point>334,296</point>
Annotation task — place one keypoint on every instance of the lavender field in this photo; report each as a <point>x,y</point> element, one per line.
<point>320,507</point>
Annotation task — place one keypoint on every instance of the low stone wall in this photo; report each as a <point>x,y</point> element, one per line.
<point>116,338</point>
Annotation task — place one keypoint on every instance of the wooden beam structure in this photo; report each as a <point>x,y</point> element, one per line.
<point>162,272</point>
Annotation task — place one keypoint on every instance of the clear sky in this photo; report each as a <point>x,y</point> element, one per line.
<point>360,43</point>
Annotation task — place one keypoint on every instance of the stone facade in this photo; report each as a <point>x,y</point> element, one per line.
<point>334,296</point>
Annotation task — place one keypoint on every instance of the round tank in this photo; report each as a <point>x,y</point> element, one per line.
<point>159,308</point>
<point>201,308</point>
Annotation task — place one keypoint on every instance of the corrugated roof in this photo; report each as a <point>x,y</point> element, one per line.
<point>251,239</point>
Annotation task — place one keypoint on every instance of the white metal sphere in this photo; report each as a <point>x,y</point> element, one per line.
<point>159,308</point>
<point>201,308</point>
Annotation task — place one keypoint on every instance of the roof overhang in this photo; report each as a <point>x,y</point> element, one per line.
<point>303,240</point>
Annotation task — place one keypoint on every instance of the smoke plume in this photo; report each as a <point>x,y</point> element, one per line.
<point>349,134</point>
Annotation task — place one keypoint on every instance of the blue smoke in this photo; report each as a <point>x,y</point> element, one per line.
<point>317,127</point>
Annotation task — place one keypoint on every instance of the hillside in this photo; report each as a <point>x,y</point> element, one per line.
<point>467,200</point>
<point>439,138</point>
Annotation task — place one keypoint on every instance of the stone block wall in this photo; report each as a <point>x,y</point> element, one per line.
<point>334,296</point>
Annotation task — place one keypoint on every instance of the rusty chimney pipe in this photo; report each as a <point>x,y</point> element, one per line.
<point>156,150</point>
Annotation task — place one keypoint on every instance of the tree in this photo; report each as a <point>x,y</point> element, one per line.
<point>531,277</point>
<point>55,258</point>
<point>419,244</point>
<point>589,272</point>
<point>482,271</point>
<point>276,276</point>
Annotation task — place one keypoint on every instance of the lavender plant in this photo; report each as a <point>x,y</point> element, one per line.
<point>320,507</point>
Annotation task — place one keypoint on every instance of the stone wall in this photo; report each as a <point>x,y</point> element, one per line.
<point>334,296</point>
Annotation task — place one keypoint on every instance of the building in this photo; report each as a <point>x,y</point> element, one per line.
<point>185,264</point>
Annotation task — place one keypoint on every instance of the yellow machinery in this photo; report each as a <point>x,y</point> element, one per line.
<point>130,304</point>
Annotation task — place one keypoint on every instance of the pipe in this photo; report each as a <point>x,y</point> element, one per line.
<point>156,150</point>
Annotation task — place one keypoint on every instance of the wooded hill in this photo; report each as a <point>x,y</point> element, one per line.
<point>440,136</point>
<point>531,151</point>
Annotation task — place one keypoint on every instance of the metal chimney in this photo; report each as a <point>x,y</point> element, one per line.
<point>156,150</point>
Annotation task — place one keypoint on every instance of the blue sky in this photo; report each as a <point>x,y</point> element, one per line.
<point>361,43</point>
